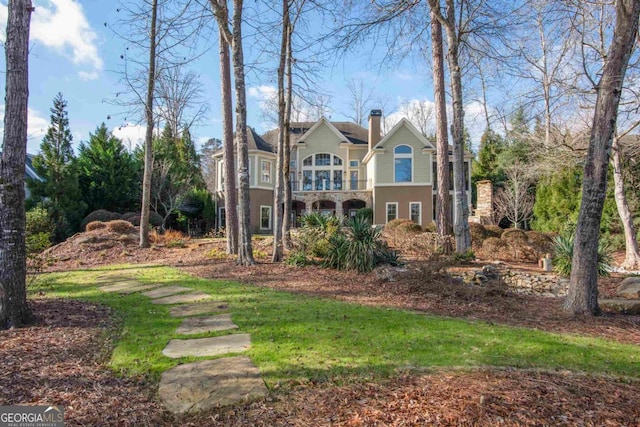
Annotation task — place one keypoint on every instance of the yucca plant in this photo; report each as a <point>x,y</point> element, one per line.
<point>563,256</point>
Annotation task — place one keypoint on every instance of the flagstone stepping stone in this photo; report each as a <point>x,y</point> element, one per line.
<point>166,291</point>
<point>198,347</point>
<point>129,287</point>
<point>208,384</point>
<point>121,284</point>
<point>181,298</point>
<point>111,278</point>
<point>196,309</point>
<point>201,325</point>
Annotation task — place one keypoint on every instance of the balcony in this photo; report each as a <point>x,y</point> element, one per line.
<point>328,185</point>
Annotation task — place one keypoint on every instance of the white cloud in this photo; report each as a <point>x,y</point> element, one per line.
<point>36,128</point>
<point>62,26</point>
<point>131,135</point>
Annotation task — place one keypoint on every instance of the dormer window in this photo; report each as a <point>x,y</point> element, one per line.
<point>403,163</point>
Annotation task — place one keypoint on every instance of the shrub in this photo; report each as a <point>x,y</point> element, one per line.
<point>409,228</point>
<point>478,233</point>
<point>155,219</point>
<point>297,259</point>
<point>365,214</point>
<point>466,256</point>
<point>514,235</point>
<point>493,230</point>
<point>38,221</point>
<point>539,244</point>
<point>99,215</point>
<point>120,226</point>
<point>174,239</point>
<point>430,227</point>
<point>563,256</point>
<point>315,233</point>
<point>217,254</point>
<point>96,225</point>
<point>36,243</point>
<point>395,223</point>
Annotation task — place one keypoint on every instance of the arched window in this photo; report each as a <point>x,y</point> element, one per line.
<point>403,163</point>
<point>322,172</point>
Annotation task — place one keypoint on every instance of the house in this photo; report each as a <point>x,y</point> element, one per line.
<point>29,172</point>
<point>340,167</point>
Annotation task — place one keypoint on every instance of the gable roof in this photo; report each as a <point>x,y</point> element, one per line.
<point>349,132</point>
<point>256,142</point>
<point>406,123</point>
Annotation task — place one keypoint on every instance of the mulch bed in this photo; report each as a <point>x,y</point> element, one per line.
<point>62,359</point>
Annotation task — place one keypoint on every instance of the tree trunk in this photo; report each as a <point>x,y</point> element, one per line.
<point>278,211</point>
<point>286,219</point>
<point>148,138</point>
<point>14,310</point>
<point>582,297</point>
<point>461,221</point>
<point>443,212</point>
<point>245,249</point>
<point>228,155</point>
<point>632,255</point>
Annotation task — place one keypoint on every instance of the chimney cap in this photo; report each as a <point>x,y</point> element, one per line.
<point>376,113</point>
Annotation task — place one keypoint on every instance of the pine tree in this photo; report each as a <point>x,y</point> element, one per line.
<point>56,164</point>
<point>109,176</point>
<point>486,165</point>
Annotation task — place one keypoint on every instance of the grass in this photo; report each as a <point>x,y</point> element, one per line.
<point>297,338</point>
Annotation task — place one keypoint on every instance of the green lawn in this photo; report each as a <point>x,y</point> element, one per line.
<point>300,338</point>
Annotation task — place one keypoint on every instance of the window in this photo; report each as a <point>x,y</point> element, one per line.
<point>265,217</point>
<point>222,218</point>
<point>353,177</point>
<point>403,163</point>
<point>337,161</point>
<point>308,161</point>
<point>415,212</point>
<point>354,163</point>
<point>292,164</point>
<point>337,180</point>
<point>392,211</point>
<point>323,159</point>
<point>265,167</point>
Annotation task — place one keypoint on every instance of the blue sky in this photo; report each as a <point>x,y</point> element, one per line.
<point>73,52</point>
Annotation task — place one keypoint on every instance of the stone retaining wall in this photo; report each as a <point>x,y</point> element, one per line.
<point>542,284</point>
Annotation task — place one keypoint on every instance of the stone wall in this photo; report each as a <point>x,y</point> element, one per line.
<point>541,284</point>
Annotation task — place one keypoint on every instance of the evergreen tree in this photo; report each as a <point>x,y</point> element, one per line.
<point>109,176</point>
<point>486,165</point>
<point>517,141</point>
<point>59,192</point>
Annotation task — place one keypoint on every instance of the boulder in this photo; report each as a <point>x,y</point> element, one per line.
<point>620,306</point>
<point>629,288</point>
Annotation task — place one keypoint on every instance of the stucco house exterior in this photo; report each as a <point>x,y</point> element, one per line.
<point>340,167</point>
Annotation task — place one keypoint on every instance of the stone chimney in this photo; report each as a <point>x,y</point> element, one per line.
<point>374,128</point>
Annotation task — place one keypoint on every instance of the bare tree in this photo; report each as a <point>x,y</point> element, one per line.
<point>180,100</point>
<point>360,102</point>
<point>228,155</point>
<point>279,208</point>
<point>632,254</point>
<point>515,201</point>
<point>234,38</point>
<point>582,297</point>
<point>14,310</point>
<point>443,208</point>
<point>148,137</point>
<point>452,28</point>
<point>166,190</point>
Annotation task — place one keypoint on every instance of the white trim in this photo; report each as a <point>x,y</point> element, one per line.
<point>262,162</point>
<point>411,128</point>
<point>260,187</point>
<point>386,211</point>
<point>402,156</point>
<point>313,128</point>
<point>270,210</point>
<point>419,211</point>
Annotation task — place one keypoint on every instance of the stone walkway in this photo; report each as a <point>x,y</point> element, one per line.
<point>204,384</point>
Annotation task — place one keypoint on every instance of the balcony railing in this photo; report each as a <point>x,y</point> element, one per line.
<point>328,185</point>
